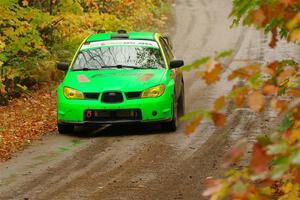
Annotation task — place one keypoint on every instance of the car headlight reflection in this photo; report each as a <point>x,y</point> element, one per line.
<point>72,93</point>
<point>153,92</point>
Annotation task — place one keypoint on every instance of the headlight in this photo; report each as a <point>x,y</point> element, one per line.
<point>72,94</point>
<point>156,91</point>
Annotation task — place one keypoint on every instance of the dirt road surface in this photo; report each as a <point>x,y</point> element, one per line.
<point>131,163</point>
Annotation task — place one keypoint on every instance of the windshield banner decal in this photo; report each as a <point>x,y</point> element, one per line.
<point>109,43</point>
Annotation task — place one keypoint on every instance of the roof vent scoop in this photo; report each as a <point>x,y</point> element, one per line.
<point>121,34</point>
<point>122,31</point>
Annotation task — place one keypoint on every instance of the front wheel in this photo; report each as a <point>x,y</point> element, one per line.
<point>172,125</point>
<point>181,103</point>
<point>65,128</point>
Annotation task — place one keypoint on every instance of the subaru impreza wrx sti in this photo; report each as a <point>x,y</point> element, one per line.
<point>121,77</point>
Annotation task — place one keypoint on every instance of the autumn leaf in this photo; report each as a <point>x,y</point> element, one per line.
<point>191,127</point>
<point>213,186</point>
<point>23,126</point>
<point>260,160</point>
<point>25,3</point>
<point>258,17</point>
<point>294,35</point>
<point>270,90</point>
<point>2,90</point>
<point>252,69</point>
<point>293,92</point>
<point>293,136</point>
<point>296,175</point>
<point>256,101</point>
<point>212,74</point>
<point>279,105</point>
<point>244,73</point>
<point>238,95</point>
<point>219,119</point>
<point>199,74</point>
<point>271,68</point>
<point>286,135</point>
<point>236,153</point>
<point>239,100</point>
<point>274,38</point>
<point>240,73</point>
<point>219,103</point>
<point>285,75</point>
<point>288,2</point>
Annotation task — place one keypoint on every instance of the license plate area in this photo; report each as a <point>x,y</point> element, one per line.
<point>112,115</point>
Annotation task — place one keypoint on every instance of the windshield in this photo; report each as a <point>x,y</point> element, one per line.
<point>136,57</point>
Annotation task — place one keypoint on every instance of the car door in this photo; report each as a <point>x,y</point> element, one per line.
<point>175,73</point>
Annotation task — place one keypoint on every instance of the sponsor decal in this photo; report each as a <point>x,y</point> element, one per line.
<point>82,78</point>
<point>146,77</point>
<point>110,43</point>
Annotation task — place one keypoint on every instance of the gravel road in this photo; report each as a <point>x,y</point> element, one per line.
<point>140,162</point>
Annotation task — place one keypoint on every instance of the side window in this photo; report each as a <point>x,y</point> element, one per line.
<point>169,49</point>
<point>164,47</point>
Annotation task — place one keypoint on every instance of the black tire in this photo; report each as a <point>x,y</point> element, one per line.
<point>172,125</point>
<point>65,128</point>
<point>181,103</point>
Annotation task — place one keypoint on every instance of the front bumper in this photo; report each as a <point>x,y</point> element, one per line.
<point>152,110</point>
<point>114,122</point>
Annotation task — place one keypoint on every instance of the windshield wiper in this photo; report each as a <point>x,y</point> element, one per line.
<point>121,66</point>
<point>85,69</point>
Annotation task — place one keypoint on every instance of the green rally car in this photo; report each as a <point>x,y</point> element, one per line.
<point>121,77</point>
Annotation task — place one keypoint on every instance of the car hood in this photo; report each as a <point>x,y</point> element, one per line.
<point>114,80</point>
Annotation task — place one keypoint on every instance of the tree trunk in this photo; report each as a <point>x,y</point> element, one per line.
<point>51,7</point>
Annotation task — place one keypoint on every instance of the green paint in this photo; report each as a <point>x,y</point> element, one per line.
<point>126,80</point>
<point>131,35</point>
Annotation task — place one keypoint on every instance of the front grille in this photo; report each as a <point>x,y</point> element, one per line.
<point>93,96</point>
<point>113,115</point>
<point>133,95</point>
<point>112,97</point>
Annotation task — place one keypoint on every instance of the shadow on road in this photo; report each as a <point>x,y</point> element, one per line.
<point>117,130</point>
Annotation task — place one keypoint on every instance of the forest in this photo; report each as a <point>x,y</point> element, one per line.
<point>34,34</point>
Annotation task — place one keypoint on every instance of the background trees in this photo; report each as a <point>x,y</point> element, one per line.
<point>36,33</point>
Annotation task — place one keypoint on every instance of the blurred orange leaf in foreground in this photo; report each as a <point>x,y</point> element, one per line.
<point>219,103</point>
<point>260,160</point>
<point>212,74</point>
<point>256,101</point>
<point>219,119</point>
<point>189,129</point>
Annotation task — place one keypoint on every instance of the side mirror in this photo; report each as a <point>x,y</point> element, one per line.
<point>62,66</point>
<point>176,64</point>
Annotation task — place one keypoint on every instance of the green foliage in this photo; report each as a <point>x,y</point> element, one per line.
<point>34,34</point>
<point>196,64</point>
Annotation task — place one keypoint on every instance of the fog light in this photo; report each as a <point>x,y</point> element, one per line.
<point>154,113</point>
<point>88,114</point>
